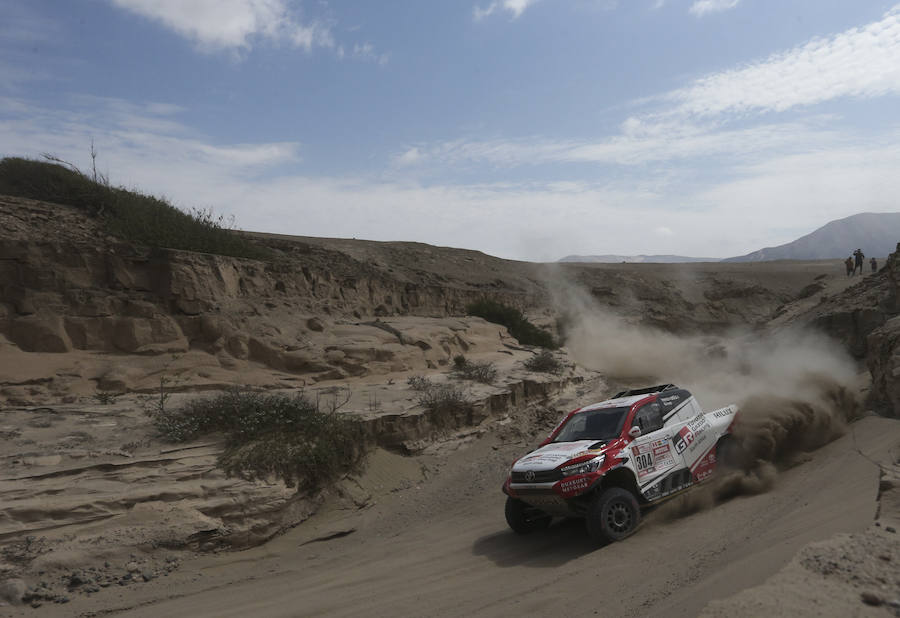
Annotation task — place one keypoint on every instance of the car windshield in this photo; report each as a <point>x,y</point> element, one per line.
<point>602,424</point>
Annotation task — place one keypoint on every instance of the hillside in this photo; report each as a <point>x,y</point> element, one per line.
<point>635,259</point>
<point>875,233</point>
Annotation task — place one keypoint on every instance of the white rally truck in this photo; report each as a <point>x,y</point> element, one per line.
<point>607,461</point>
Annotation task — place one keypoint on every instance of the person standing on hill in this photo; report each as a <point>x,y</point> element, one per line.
<point>874,264</point>
<point>859,261</point>
<point>849,264</point>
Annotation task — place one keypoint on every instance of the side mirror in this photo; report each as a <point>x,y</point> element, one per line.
<point>634,432</point>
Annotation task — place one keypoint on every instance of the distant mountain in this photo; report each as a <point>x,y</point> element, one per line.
<point>635,259</point>
<point>876,234</point>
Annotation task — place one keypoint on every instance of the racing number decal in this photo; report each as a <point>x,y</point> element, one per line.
<point>643,462</point>
<point>651,457</point>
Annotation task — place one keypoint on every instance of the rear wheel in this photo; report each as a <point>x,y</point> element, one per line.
<point>613,515</point>
<point>731,454</point>
<point>523,518</point>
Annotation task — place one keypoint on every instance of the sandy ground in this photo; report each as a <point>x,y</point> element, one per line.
<point>434,543</point>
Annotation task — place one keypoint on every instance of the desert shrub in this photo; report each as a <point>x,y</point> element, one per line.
<point>271,435</point>
<point>442,399</point>
<point>418,383</point>
<point>519,327</point>
<point>544,362</point>
<point>126,214</point>
<point>464,369</point>
<point>105,397</point>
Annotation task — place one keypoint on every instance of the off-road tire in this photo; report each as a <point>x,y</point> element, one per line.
<point>613,515</point>
<point>523,518</point>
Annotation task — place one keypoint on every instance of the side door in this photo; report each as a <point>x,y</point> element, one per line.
<point>653,452</point>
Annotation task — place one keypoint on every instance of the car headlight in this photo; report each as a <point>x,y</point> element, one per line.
<point>584,467</point>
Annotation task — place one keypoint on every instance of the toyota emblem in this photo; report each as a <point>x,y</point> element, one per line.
<point>529,476</point>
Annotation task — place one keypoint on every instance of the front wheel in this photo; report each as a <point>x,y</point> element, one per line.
<point>523,518</point>
<point>613,515</point>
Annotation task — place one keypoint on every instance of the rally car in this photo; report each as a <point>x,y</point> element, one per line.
<point>607,461</point>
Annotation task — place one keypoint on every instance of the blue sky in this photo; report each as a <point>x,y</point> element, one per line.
<point>528,129</point>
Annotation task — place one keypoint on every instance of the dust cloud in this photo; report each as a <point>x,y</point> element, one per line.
<point>796,389</point>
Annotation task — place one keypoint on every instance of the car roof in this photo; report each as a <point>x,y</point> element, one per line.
<point>630,397</point>
<point>618,402</point>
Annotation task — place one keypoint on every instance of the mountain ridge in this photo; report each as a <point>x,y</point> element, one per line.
<point>875,233</point>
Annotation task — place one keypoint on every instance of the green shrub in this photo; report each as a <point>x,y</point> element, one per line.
<point>519,327</point>
<point>544,362</point>
<point>464,369</point>
<point>128,215</point>
<point>271,435</point>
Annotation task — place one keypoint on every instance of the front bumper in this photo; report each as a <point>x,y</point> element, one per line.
<point>555,498</point>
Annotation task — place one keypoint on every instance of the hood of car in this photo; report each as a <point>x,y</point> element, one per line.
<point>557,453</point>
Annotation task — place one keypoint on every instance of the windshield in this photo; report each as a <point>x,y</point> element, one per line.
<point>602,424</point>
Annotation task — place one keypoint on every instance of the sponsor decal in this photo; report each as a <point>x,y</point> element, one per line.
<point>573,486</point>
<point>683,439</point>
<point>692,436</point>
<point>702,436</point>
<point>651,457</point>
<point>677,483</point>
<point>705,466</point>
<point>551,458</point>
<point>723,412</point>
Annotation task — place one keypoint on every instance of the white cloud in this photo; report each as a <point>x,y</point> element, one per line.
<point>233,24</point>
<point>410,157</point>
<point>367,52</point>
<point>861,62</point>
<point>694,121</point>
<point>704,7</point>
<point>513,7</point>
<point>263,186</point>
<point>128,136</point>
<point>639,142</point>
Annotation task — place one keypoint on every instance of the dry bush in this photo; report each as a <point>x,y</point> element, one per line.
<point>464,369</point>
<point>271,435</point>
<point>544,362</point>
<point>419,383</point>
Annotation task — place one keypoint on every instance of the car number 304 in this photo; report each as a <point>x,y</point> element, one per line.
<point>644,461</point>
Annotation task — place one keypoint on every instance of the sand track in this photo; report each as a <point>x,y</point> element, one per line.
<point>439,547</point>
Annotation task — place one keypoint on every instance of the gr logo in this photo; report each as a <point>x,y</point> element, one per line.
<point>683,439</point>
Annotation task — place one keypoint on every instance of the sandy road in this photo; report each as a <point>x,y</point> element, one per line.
<point>441,548</point>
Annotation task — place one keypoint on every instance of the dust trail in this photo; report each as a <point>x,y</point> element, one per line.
<point>796,389</point>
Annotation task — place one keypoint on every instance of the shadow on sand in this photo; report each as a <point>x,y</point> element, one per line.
<point>563,541</point>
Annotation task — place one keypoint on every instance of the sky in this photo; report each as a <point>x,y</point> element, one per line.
<point>527,129</point>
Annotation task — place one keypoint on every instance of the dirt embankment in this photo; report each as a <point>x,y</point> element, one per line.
<point>67,289</point>
<point>865,319</point>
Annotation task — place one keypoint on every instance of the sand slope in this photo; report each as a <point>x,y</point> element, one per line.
<point>439,547</point>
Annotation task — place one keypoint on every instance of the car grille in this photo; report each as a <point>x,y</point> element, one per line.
<point>540,476</point>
